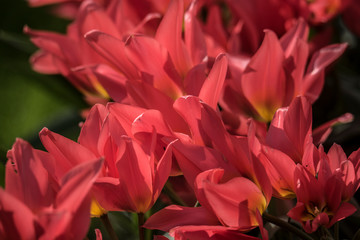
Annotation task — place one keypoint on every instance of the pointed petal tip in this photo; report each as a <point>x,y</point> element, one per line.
<point>26,29</point>
<point>44,131</point>
<point>222,57</point>
<point>17,139</point>
<point>346,118</point>
<point>98,234</point>
<point>338,48</point>
<point>344,45</point>
<point>132,37</point>
<point>79,69</point>
<point>341,47</point>
<point>93,35</point>
<point>269,31</point>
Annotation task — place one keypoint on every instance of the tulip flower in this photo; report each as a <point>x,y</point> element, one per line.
<point>36,205</point>
<point>321,11</point>
<point>60,54</point>
<point>212,143</point>
<point>323,188</point>
<point>241,34</point>
<point>319,198</point>
<point>134,172</point>
<point>346,168</point>
<point>70,54</point>
<point>290,141</point>
<point>205,115</point>
<point>226,208</point>
<point>63,8</point>
<point>167,67</point>
<point>142,7</point>
<point>277,73</point>
<point>224,171</point>
<point>236,26</point>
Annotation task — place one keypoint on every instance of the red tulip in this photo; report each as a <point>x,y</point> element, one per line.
<point>226,208</point>
<point>289,141</point>
<point>225,172</point>
<point>319,198</point>
<point>37,205</point>
<point>167,65</point>
<point>277,73</point>
<point>70,54</point>
<point>134,171</point>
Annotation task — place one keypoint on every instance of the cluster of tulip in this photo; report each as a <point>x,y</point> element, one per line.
<point>209,100</point>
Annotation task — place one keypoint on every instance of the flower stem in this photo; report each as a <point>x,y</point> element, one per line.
<point>286,225</point>
<point>106,222</point>
<point>141,221</point>
<point>148,232</point>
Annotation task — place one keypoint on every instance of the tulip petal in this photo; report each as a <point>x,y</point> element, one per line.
<point>77,183</point>
<point>208,233</point>
<point>192,105</point>
<point>113,50</point>
<point>233,208</point>
<point>16,220</point>
<point>264,81</point>
<point>174,215</point>
<point>169,35</point>
<point>98,234</point>
<point>26,177</point>
<point>92,126</point>
<point>314,78</point>
<point>66,152</point>
<point>194,37</point>
<point>112,81</point>
<point>290,129</point>
<point>321,133</point>
<point>346,209</point>
<point>289,40</point>
<point>111,195</point>
<point>150,57</point>
<point>135,174</point>
<point>93,16</point>
<point>149,97</point>
<point>54,43</point>
<point>298,126</point>
<point>44,62</point>
<point>163,169</point>
<point>148,120</point>
<point>280,169</point>
<point>195,79</point>
<point>213,85</point>
<point>235,149</point>
<point>193,159</point>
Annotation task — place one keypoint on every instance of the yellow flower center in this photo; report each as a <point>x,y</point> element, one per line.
<point>96,210</point>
